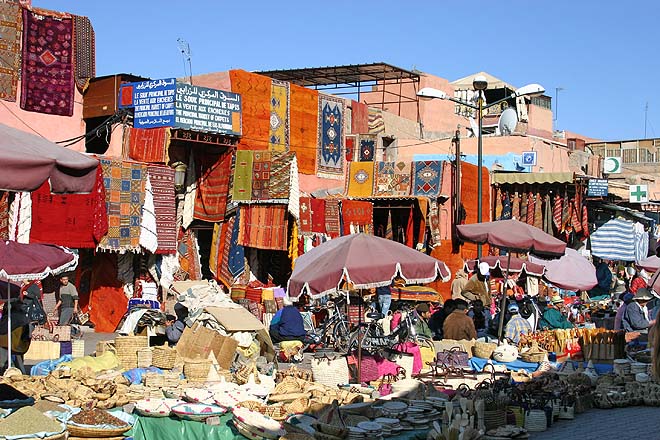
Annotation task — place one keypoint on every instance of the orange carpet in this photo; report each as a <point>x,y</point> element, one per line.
<point>107,301</point>
<point>304,126</point>
<point>255,91</point>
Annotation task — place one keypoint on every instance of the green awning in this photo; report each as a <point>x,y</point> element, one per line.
<point>511,178</point>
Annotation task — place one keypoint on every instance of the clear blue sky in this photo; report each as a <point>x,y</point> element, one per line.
<point>604,54</point>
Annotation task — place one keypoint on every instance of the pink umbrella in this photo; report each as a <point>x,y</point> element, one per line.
<point>515,265</point>
<point>572,271</point>
<point>650,264</point>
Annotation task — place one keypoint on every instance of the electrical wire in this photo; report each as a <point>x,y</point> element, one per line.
<point>20,119</point>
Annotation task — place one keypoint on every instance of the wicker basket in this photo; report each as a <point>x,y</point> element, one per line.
<point>164,357</point>
<point>82,431</point>
<point>144,357</point>
<point>534,355</point>
<point>153,380</point>
<point>536,420</point>
<point>103,346</point>
<point>77,348</point>
<point>127,348</point>
<point>197,370</point>
<point>484,350</point>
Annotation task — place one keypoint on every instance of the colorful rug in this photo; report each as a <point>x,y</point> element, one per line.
<point>279,116</point>
<point>304,127</point>
<point>350,148</point>
<point>331,137</point>
<point>261,171</point>
<point>212,186</point>
<point>384,180</point>
<point>376,121</point>
<point>124,196</point>
<point>148,144</point>
<point>280,175</point>
<point>367,147</point>
<point>10,49</point>
<point>427,178</point>
<point>85,51</point>
<point>318,215</point>
<point>401,179</point>
<point>188,251</point>
<point>263,227</point>
<point>72,220</point>
<point>215,255</point>
<point>255,91</point>
<point>162,183</point>
<point>332,218</point>
<point>4,215</point>
<point>360,181</point>
<point>305,215</point>
<point>47,85</point>
<point>242,190</point>
<point>357,213</point>
<point>107,302</point>
<point>359,118</point>
<point>236,255</point>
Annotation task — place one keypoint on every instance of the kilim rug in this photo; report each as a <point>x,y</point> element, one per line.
<point>384,182</point>
<point>48,79</point>
<point>212,185</point>
<point>85,51</point>
<point>356,212</point>
<point>215,255</point>
<point>107,302</point>
<point>359,118</point>
<point>434,223</point>
<point>72,220</point>
<point>242,182</point>
<point>401,179</point>
<point>189,254</point>
<point>427,178</point>
<point>331,137</point>
<point>263,227</point>
<point>304,127</point>
<point>350,148</point>
<point>255,91</point>
<point>332,221</point>
<point>367,147</point>
<point>261,171</point>
<point>149,144</point>
<point>360,181</point>
<point>10,49</point>
<point>279,116</point>
<point>305,215</point>
<point>280,175</point>
<point>162,183</point>
<point>4,215</point>
<point>318,215</point>
<point>124,196</point>
<point>376,122</point>
<point>236,255</point>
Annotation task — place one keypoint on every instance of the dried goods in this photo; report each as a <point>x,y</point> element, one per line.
<point>28,420</point>
<point>96,417</point>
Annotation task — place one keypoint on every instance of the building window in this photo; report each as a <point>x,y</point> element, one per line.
<point>543,102</point>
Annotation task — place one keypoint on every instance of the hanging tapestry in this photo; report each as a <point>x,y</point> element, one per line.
<point>107,302</point>
<point>506,207</point>
<point>212,186</point>
<point>385,181</point>
<point>255,91</point>
<point>85,51</point>
<point>304,127</point>
<point>331,137</point>
<point>434,223</point>
<point>149,144</point>
<point>215,255</point>
<point>263,227</point>
<point>332,221</point>
<point>279,116</point>
<point>188,250</point>
<point>367,148</point>
<point>376,121</point>
<point>427,178</point>
<point>242,190</point>
<point>305,215</point>
<point>148,230</point>
<point>124,196</point>
<point>47,85</point>
<point>401,179</point>
<point>538,211</point>
<point>498,204</point>
<point>279,185</point>
<point>530,209</point>
<point>10,49</point>
<point>350,148</point>
<point>356,213</point>
<point>4,215</point>
<point>318,215</point>
<point>236,261</point>
<point>359,118</point>
<point>556,212</point>
<point>72,220</point>
<point>162,183</point>
<point>261,172</point>
<point>515,206</point>
<point>360,181</point>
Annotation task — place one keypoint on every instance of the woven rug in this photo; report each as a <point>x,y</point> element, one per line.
<point>263,227</point>
<point>85,51</point>
<point>255,91</point>
<point>261,171</point>
<point>376,121</point>
<point>72,220</point>
<point>427,178</point>
<point>212,186</point>
<point>359,118</point>
<point>332,220</point>
<point>385,180</point>
<point>10,49</point>
<point>188,250</point>
<point>124,196</point>
<point>304,127</point>
<point>215,255</point>
<point>357,213</point>
<point>350,148</point>
<point>367,147</point>
<point>107,302</point>
<point>280,175</point>
<point>242,190</point>
<point>148,144</point>
<point>305,215</point>
<point>279,116</point>
<point>331,137</point>
<point>318,215</point>
<point>236,254</point>
<point>48,83</point>
<point>4,215</point>
<point>162,183</point>
<point>360,181</point>
<point>401,179</point>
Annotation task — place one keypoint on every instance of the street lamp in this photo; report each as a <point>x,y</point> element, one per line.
<point>480,83</point>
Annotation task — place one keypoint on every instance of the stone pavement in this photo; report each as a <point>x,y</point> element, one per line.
<point>637,422</point>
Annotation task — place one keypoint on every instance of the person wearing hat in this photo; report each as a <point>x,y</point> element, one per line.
<point>460,280</point>
<point>552,316</point>
<point>477,286</point>
<point>421,326</point>
<point>626,299</point>
<point>287,324</point>
<point>517,325</point>
<point>636,281</point>
<point>458,324</point>
<point>636,316</point>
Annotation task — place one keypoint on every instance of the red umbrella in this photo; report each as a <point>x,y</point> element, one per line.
<point>514,265</point>
<point>365,261</point>
<point>572,271</point>
<point>650,264</point>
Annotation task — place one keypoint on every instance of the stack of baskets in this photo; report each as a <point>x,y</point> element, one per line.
<point>533,354</point>
<point>484,350</point>
<point>197,370</point>
<point>127,349</point>
<point>164,357</point>
<point>144,357</point>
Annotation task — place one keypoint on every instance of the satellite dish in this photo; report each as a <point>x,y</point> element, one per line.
<point>474,127</point>
<point>508,121</point>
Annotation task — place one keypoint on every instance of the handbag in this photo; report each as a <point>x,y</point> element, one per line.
<point>455,357</point>
<point>505,352</point>
<point>330,371</point>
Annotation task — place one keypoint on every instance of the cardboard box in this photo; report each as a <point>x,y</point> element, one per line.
<point>198,341</point>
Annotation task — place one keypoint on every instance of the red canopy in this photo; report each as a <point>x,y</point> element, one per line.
<point>650,264</point>
<point>365,261</point>
<point>20,261</point>
<point>572,271</point>
<point>514,265</point>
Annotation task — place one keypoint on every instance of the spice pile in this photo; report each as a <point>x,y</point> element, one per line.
<point>96,417</point>
<point>28,420</point>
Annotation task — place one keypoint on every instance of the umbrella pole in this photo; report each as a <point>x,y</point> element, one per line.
<point>503,301</point>
<point>8,325</point>
<point>359,359</point>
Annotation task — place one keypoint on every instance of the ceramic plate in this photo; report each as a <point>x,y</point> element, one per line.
<point>258,422</point>
<point>197,411</point>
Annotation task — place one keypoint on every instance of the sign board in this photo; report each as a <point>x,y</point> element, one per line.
<point>597,188</point>
<point>612,165</point>
<point>529,159</point>
<point>639,193</point>
<point>208,110</point>
<point>153,102</point>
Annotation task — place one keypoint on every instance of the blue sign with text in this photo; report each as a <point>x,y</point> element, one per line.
<point>154,102</point>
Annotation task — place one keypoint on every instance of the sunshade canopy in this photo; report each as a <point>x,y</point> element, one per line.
<point>20,261</point>
<point>650,264</point>
<point>572,271</point>
<point>514,265</point>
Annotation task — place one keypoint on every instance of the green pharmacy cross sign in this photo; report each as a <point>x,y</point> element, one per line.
<point>639,193</point>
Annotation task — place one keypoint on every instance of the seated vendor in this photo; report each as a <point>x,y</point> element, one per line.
<point>552,317</point>
<point>287,324</point>
<point>176,325</point>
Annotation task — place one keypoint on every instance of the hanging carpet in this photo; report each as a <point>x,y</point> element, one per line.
<point>107,302</point>
<point>427,178</point>
<point>304,127</point>
<point>332,221</point>
<point>162,183</point>
<point>10,49</point>
<point>356,212</point>
<point>367,147</point>
<point>263,227</point>
<point>85,51</point>
<point>376,121</point>
<point>149,144</point>
<point>278,139</point>
<point>305,215</point>
<point>360,181</point>
<point>242,181</point>
<point>318,215</point>
<point>359,118</point>
<point>255,91</point>
<point>331,137</point>
<point>261,169</point>
<point>212,185</point>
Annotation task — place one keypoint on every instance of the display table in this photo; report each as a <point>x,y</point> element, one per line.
<point>172,428</point>
<point>478,364</point>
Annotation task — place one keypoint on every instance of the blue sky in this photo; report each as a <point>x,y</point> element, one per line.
<point>602,53</point>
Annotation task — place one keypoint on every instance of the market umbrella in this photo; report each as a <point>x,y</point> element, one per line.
<point>512,264</point>
<point>650,264</point>
<point>572,271</point>
<point>19,261</point>
<point>513,236</point>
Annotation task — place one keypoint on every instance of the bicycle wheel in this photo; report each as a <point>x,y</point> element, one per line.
<point>340,336</point>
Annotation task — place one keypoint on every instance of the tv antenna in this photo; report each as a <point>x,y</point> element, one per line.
<point>646,114</point>
<point>186,54</point>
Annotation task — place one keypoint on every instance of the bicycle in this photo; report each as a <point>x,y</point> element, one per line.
<point>334,330</point>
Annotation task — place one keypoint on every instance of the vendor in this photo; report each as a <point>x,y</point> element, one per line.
<point>477,286</point>
<point>67,303</point>
<point>176,324</point>
<point>604,277</point>
<point>458,324</point>
<point>384,294</point>
<point>287,324</point>
<point>621,311</point>
<point>421,326</point>
<point>517,325</point>
<point>552,317</point>
<point>636,316</point>
<point>437,319</point>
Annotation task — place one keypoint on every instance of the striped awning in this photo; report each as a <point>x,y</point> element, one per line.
<point>511,178</point>
<point>614,241</point>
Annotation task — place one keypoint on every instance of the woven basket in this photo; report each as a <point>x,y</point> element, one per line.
<point>164,358</point>
<point>77,348</point>
<point>494,418</point>
<point>484,349</point>
<point>127,348</point>
<point>153,380</point>
<point>298,406</point>
<point>566,412</point>
<point>536,421</point>
<point>103,346</point>
<point>534,355</point>
<point>197,370</point>
<point>144,357</point>
<point>80,431</point>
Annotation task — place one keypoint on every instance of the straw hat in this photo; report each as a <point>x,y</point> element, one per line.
<point>556,300</point>
<point>643,294</point>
